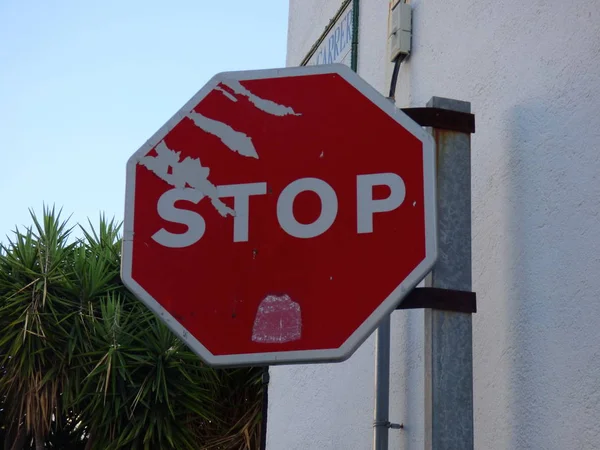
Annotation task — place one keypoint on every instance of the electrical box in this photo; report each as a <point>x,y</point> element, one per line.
<point>401,30</point>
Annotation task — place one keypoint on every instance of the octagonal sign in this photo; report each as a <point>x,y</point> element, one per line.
<point>280,215</point>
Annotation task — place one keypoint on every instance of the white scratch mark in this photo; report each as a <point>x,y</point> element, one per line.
<point>278,320</point>
<point>226,94</point>
<point>235,140</point>
<point>267,106</point>
<point>322,154</point>
<point>190,172</point>
<point>414,203</point>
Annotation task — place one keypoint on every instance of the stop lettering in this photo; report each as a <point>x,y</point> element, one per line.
<point>366,207</point>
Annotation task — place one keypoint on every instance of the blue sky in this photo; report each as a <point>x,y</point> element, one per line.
<point>84,84</point>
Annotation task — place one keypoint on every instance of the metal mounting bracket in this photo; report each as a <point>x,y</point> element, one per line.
<point>445,119</point>
<point>442,299</point>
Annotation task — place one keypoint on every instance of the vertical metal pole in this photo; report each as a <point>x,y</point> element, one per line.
<point>265,407</point>
<point>448,335</point>
<point>382,386</point>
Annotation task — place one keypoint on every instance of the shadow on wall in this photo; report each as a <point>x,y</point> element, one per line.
<point>553,268</point>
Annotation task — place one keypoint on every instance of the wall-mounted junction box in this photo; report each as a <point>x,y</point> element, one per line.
<point>401,30</point>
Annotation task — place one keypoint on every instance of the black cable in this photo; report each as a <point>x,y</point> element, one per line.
<point>394,81</point>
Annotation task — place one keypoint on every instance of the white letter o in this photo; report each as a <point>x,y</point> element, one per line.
<point>285,208</point>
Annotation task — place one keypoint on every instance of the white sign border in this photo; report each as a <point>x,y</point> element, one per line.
<point>387,306</point>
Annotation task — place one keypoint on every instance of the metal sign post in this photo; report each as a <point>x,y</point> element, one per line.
<point>448,300</point>
<point>381,422</point>
<point>448,334</point>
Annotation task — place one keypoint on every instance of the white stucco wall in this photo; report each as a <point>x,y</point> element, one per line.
<point>532,72</point>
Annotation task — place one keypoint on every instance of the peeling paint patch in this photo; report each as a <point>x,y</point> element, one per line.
<point>180,174</point>
<point>226,94</point>
<point>236,140</point>
<point>189,172</point>
<point>267,106</point>
<point>278,320</point>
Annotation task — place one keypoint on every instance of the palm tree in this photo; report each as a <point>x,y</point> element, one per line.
<point>86,363</point>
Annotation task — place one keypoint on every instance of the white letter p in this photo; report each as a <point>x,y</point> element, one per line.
<point>367,206</point>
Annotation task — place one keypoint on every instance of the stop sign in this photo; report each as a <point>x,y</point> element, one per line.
<point>279,215</point>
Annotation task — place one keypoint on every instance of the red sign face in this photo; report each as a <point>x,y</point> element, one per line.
<point>279,215</point>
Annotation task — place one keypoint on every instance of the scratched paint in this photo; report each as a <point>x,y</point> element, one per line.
<point>190,172</point>
<point>233,98</point>
<point>265,105</point>
<point>237,141</point>
<point>278,320</point>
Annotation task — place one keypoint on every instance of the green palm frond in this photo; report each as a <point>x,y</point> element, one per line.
<point>82,361</point>
<point>32,317</point>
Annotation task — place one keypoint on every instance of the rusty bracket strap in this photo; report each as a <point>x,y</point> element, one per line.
<point>442,118</point>
<point>444,299</point>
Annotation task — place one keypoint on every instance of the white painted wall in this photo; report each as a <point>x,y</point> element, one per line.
<point>532,72</point>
